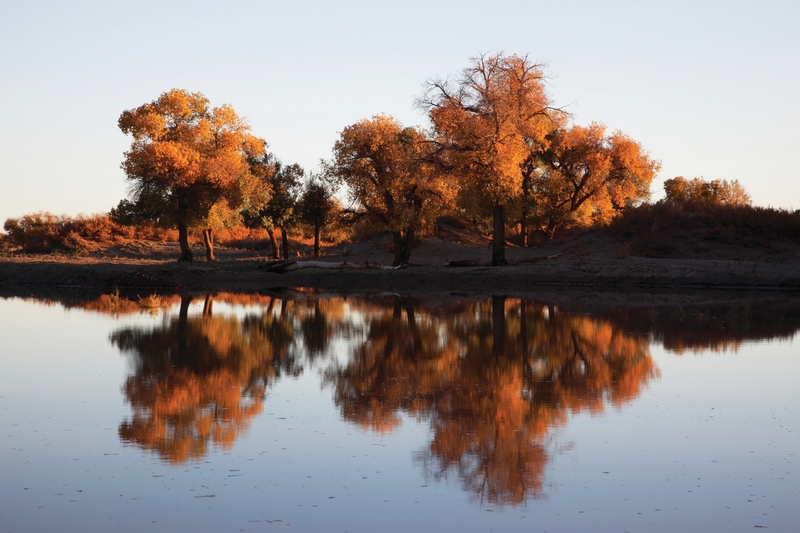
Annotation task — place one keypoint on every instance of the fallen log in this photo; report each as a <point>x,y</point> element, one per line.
<point>462,263</point>
<point>290,265</point>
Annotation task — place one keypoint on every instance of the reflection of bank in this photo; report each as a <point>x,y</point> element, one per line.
<point>493,379</point>
<point>200,380</point>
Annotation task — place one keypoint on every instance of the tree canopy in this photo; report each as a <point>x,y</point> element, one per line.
<point>486,120</point>
<point>583,175</point>
<point>275,210</point>
<point>317,206</point>
<point>390,178</point>
<point>187,157</point>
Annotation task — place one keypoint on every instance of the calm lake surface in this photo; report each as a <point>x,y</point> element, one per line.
<point>306,412</point>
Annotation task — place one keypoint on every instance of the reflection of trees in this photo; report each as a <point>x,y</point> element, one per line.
<point>718,327</point>
<point>201,379</point>
<point>493,379</point>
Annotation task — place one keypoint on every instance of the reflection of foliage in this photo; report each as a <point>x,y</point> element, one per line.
<point>200,380</point>
<point>398,366</point>
<point>716,327</point>
<point>493,379</point>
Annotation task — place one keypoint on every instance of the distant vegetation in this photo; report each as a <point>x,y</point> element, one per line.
<point>499,158</point>
<point>696,215</point>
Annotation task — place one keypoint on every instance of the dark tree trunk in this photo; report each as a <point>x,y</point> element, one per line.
<point>499,236</point>
<point>208,305</point>
<point>208,238</point>
<point>285,241</point>
<point>523,229</point>
<point>398,247</point>
<point>183,325</point>
<point>498,325</point>
<point>550,230</point>
<point>183,230</point>
<point>274,243</point>
<point>526,205</point>
<point>403,241</point>
<point>408,244</point>
<point>317,229</point>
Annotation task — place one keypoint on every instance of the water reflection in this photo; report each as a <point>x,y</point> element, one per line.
<point>493,377</point>
<point>200,380</point>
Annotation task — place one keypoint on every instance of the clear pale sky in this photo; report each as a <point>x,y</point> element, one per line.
<point>710,89</point>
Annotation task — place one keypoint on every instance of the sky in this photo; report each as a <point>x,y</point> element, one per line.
<point>711,89</point>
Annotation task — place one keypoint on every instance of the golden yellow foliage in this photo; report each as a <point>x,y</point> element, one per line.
<point>486,122</point>
<point>584,176</point>
<point>188,155</point>
<point>390,178</point>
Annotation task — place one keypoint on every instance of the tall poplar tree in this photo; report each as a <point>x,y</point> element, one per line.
<point>185,158</point>
<point>486,119</point>
<point>390,178</point>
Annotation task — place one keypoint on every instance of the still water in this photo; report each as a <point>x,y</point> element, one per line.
<point>309,412</point>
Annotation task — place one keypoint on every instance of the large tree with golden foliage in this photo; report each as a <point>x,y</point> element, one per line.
<point>486,121</point>
<point>390,178</point>
<point>189,157</point>
<point>583,175</point>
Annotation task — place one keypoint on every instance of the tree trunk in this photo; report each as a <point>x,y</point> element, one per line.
<point>274,243</point>
<point>397,237</point>
<point>550,229</point>
<point>499,236</point>
<point>208,238</point>
<point>408,244</point>
<point>402,246</point>
<point>208,306</point>
<point>523,229</point>
<point>183,230</point>
<point>285,241</point>
<point>183,239</point>
<point>498,325</point>
<point>317,229</point>
<point>526,205</point>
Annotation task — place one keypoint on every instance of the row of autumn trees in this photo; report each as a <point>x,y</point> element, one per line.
<point>497,150</point>
<point>195,166</point>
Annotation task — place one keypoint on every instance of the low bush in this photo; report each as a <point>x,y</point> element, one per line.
<point>44,232</point>
<point>669,228</point>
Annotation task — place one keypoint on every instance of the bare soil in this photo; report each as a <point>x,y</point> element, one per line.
<point>591,261</point>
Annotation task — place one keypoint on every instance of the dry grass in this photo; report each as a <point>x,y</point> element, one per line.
<point>153,301</point>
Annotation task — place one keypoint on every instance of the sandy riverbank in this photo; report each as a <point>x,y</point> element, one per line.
<point>566,264</point>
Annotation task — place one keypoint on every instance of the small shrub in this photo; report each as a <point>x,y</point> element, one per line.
<point>45,232</point>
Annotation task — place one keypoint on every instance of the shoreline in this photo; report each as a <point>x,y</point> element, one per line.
<point>633,274</point>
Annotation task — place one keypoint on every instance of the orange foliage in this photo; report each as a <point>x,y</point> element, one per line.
<point>584,177</point>
<point>494,377</point>
<point>192,159</point>
<point>200,380</point>
<point>486,122</point>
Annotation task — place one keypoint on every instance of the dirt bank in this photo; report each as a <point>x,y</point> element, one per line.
<point>565,264</point>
